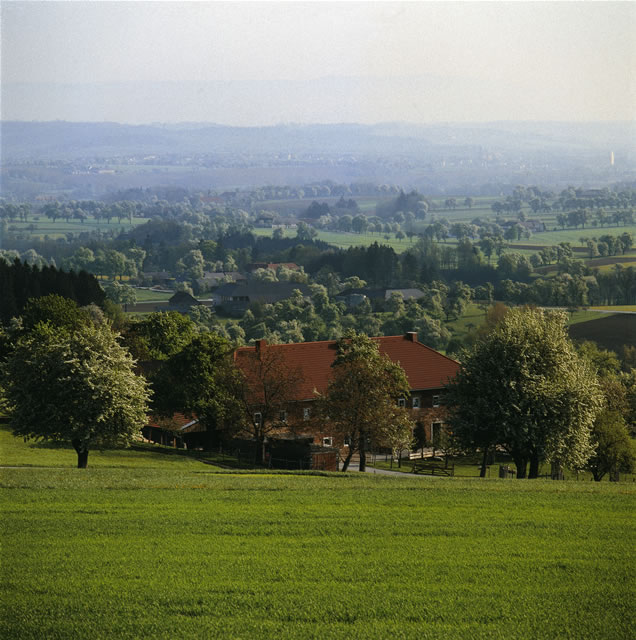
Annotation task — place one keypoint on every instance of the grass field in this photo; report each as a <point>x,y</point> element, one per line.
<point>346,240</point>
<point>538,240</point>
<point>59,228</point>
<point>16,452</point>
<point>151,553</point>
<point>150,295</point>
<point>572,236</point>
<point>470,467</point>
<point>160,550</point>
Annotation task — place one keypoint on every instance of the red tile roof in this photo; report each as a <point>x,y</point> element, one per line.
<point>425,368</point>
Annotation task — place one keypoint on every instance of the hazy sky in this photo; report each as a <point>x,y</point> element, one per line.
<point>250,63</point>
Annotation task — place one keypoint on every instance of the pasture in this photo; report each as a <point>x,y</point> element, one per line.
<point>344,240</point>
<point>40,226</point>
<point>166,551</point>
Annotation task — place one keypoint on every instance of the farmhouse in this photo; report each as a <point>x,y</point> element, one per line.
<point>182,301</point>
<point>353,297</point>
<point>427,370</point>
<point>236,298</point>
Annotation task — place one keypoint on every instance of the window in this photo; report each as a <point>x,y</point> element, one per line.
<point>306,413</point>
<point>416,403</point>
<point>436,401</point>
<point>327,442</point>
<point>282,416</point>
<point>257,418</point>
<point>401,402</point>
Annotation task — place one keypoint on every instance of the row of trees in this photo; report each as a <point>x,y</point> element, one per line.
<point>20,281</point>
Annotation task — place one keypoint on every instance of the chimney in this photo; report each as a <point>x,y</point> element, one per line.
<point>260,345</point>
<point>411,335</point>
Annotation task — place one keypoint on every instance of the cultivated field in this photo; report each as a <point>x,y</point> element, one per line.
<point>189,552</point>
<point>610,332</point>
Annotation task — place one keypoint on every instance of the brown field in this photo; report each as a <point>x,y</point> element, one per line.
<point>611,332</point>
<point>601,262</point>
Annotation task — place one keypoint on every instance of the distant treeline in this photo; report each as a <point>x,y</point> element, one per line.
<point>20,281</point>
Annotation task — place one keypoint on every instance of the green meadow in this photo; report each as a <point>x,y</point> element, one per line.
<point>151,295</point>
<point>344,240</point>
<point>39,226</point>
<point>187,550</point>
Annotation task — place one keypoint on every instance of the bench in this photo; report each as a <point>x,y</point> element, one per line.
<point>433,468</point>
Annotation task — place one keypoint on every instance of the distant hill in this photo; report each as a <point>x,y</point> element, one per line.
<point>74,140</point>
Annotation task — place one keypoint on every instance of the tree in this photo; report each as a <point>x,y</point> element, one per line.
<point>614,450</point>
<point>361,402</point>
<point>160,335</point>
<point>75,386</point>
<point>55,310</point>
<point>199,380</point>
<point>121,293</point>
<point>266,391</point>
<point>524,387</point>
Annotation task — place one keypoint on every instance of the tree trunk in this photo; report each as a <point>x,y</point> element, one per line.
<point>347,460</point>
<point>482,472</point>
<point>521,462</point>
<point>534,466</point>
<point>363,459</point>
<point>82,453</point>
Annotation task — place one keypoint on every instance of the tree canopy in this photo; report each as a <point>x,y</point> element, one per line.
<point>199,380</point>
<point>74,385</point>
<point>524,387</point>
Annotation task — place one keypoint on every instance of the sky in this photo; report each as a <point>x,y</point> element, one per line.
<point>264,63</point>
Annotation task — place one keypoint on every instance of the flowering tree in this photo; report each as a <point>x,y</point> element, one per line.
<point>74,385</point>
<point>524,387</point>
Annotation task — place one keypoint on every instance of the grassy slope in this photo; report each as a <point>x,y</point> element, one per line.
<point>16,452</point>
<point>148,553</point>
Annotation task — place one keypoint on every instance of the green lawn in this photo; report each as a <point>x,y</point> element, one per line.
<point>16,452</point>
<point>165,549</point>
<point>149,295</point>
<point>123,553</point>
